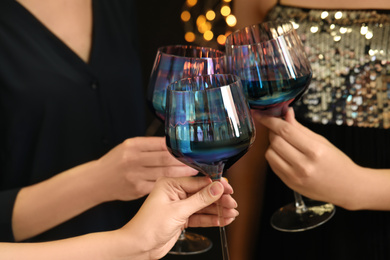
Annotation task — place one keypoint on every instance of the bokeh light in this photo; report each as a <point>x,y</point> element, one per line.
<point>231,20</point>
<point>210,15</point>
<point>191,3</point>
<point>225,10</point>
<point>207,22</point>
<point>189,36</point>
<point>185,16</point>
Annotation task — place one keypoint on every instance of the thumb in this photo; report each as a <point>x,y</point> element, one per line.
<point>204,197</point>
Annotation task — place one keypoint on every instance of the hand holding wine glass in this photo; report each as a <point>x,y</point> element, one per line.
<point>271,62</point>
<point>208,125</point>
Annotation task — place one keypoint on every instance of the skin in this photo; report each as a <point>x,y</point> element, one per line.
<point>127,172</point>
<point>248,174</point>
<point>174,204</point>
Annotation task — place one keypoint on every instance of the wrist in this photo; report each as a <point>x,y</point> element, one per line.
<point>374,193</point>
<point>98,183</point>
<point>354,197</point>
<point>126,244</point>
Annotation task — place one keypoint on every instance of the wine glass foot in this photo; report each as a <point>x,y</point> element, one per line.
<point>191,244</point>
<point>288,219</point>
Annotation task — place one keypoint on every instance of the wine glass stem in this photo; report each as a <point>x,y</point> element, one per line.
<point>299,203</point>
<point>182,235</point>
<point>222,232</point>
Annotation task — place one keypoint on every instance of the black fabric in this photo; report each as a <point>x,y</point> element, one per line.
<point>56,111</point>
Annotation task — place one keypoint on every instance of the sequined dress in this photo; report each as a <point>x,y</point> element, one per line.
<point>348,102</point>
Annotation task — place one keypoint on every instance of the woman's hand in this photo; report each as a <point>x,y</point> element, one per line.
<point>310,164</point>
<point>174,204</point>
<point>130,170</point>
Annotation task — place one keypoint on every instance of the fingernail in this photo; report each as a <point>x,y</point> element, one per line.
<point>216,188</point>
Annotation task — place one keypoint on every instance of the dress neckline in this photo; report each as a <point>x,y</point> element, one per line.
<point>58,40</point>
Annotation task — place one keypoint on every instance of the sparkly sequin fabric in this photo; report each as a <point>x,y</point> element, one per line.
<point>350,55</point>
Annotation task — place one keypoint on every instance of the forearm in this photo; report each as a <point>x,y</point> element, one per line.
<point>98,246</point>
<point>47,204</point>
<point>371,192</point>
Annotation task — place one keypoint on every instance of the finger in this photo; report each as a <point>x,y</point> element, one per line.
<point>153,173</point>
<point>278,165</point>
<point>228,188</point>
<point>201,199</point>
<point>150,143</point>
<point>226,202</point>
<point>213,210</point>
<point>287,152</point>
<point>198,220</point>
<point>191,185</point>
<point>290,117</point>
<point>158,158</point>
<point>293,135</point>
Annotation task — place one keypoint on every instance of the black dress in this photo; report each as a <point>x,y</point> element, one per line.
<point>56,111</point>
<point>348,103</point>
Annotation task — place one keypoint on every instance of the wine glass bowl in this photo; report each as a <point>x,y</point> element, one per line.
<point>209,122</point>
<point>270,60</point>
<point>208,125</point>
<point>275,71</point>
<point>174,62</point>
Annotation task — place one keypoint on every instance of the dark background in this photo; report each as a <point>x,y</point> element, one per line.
<point>160,24</point>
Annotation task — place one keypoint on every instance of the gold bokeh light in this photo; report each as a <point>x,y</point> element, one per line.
<point>225,10</point>
<point>202,28</point>
<point>221,39</point>
<point>231,20</point>
<point>189,37</point>
<point>200,20</point>
<point>185,16</point>
<point>210,15</point>
<point>208,35</point>
<point>191,3</point>
<point>207,23</point>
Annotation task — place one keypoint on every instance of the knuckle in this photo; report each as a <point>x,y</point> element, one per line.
<point>128,142</point>
<point>202,197</point>
<point>285,130</point>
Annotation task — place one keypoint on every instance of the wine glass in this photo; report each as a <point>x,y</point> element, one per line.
<point>172,63</point>
<point>270,59</point>
<point>208,125</point>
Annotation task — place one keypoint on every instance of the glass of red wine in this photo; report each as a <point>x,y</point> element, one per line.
<point>208,125</point>
<point>275,71</point>
<point>174,62</point>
